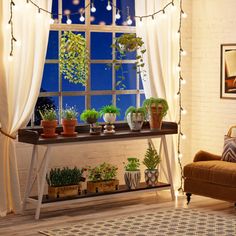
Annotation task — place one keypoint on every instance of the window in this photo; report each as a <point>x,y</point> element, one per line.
<point>99,29</point>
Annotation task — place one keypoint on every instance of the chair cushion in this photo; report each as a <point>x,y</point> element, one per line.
<point>218,172</point>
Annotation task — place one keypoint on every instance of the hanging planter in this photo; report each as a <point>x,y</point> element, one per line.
<point>74,58</point>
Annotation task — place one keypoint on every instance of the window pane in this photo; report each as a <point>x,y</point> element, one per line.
<point>52,50</point>
<point>68,86</point>
<point>101,77</point>
<point>101,46</point>
<point>142,98</point>
<point>140,82</point>
<point>122,5</point>
<point>97,102</point>
<point>128,56</point>
<point>41,103</point>
<point>55,9</point>
<point>73,6</point>
<point>123,102</point>
<point>102,16</point>
<point>75,101</point>
<point>128,73</point>
<point>50,78</point>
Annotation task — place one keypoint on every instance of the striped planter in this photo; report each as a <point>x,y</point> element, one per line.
<point>132,179</point>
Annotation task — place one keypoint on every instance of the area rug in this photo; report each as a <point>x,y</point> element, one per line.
<point>156,222</point>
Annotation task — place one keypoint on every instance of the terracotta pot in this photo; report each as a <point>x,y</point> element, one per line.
<point>155,118</point>
<point>69,127</point>
<point>49,128</point>
<point>135,121</point>
<point>151,177</point>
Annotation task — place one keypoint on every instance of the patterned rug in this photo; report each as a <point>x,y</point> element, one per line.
<point>158,222</point>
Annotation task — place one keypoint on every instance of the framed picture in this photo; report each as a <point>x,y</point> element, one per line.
<point>228,71</point>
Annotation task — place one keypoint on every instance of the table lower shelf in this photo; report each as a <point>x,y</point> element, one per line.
<point>122,189</point>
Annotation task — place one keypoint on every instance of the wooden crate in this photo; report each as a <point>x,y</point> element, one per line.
<point>64,191</point>
<point>103,186</point>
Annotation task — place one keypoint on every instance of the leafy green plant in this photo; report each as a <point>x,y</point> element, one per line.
<point>103,172</point>
<point>109,109</point>
<point>89,114</point>
<point>148,103</point>
<point>122,46</point>
<point>152,159</point>
<point>132,164</point>
<point>73,58</point>
<point>69,113</point>
<point>132,110</point>
<point>63,177</point>
<point>48,113</point>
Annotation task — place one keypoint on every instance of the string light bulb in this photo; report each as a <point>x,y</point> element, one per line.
<point>183,14</point>
<point>109,5</point>
<point>183,52</point>
<point>51,21</point>
<point>82,19</point>
<point>178,68</point>
<point>68,21</point>
<point>141,21</point>
<point>129,21</point>
<point>93,8</point>
<point>180,155</point>
<point>118,16</point>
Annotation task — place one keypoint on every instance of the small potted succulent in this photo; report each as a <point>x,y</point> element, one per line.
<point>151,161</point>
<point>135,117</point>
<point>102,178</point>
<point>109,114</point>
<point>64,182</point>
<point>132,173</point>
<point>156,108</point>
<point>48,122</point>
<point>69,121</point>
<point>91,116</point>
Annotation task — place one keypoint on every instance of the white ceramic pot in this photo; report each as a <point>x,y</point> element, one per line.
<point>109,118</point>
<point>135,121</point>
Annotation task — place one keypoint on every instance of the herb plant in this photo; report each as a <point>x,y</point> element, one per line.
<point>63,177</point>
<point>132,164</point>
<point>103,172</point>
<point>74,58</point>
<point>152,159</point>
<point>89,114</point>
<point>69,113</point>
<point>132,110</point>
<point>109,109</point>
<point>148,103</point>
<point>48,113</point>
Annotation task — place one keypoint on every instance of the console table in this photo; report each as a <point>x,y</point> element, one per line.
<point>32,136</point>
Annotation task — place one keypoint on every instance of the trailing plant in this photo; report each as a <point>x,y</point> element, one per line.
<point>103,172</point>
<point>109,109</point>
<point>132,164</point>
<point>152,159</point>
<point>89,114</point>
<point>135,110</point>
<point>124,44</point>
<point>73,58</point>
<point>69,113</point>
<point>48,113</point>
<point>63,177</point>
<point>149,102</point>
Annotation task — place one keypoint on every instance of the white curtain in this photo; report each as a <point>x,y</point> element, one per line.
<point>20,80</point>
<point>161,59</point>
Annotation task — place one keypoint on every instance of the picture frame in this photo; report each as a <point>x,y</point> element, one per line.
<point>228,71</point>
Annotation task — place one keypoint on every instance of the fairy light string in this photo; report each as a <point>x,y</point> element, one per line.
<point>162,11</point>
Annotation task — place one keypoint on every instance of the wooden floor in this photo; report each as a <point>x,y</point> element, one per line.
<point>106,208</point>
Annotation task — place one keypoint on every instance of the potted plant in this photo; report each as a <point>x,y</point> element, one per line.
<point>157,108</point>
<point>124,44</point>
<point>64,182</point>
<point>135,117</point>
<point>69,121</point>
<point>74,57</point>
<point>109,114</point>
<point>132,173</point>
<point>102,178</point>
<point>151,160</point>
<point>91,116</point>
<point>48,122</point>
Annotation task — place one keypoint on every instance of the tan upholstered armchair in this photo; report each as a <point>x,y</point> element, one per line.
<point>209,176</point>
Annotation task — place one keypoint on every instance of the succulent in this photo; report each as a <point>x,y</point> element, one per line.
<point>132,164</point>
<point>90,114</point>
<point>152,159</point>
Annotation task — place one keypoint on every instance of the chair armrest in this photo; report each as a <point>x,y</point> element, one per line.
<point>206,156</point>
